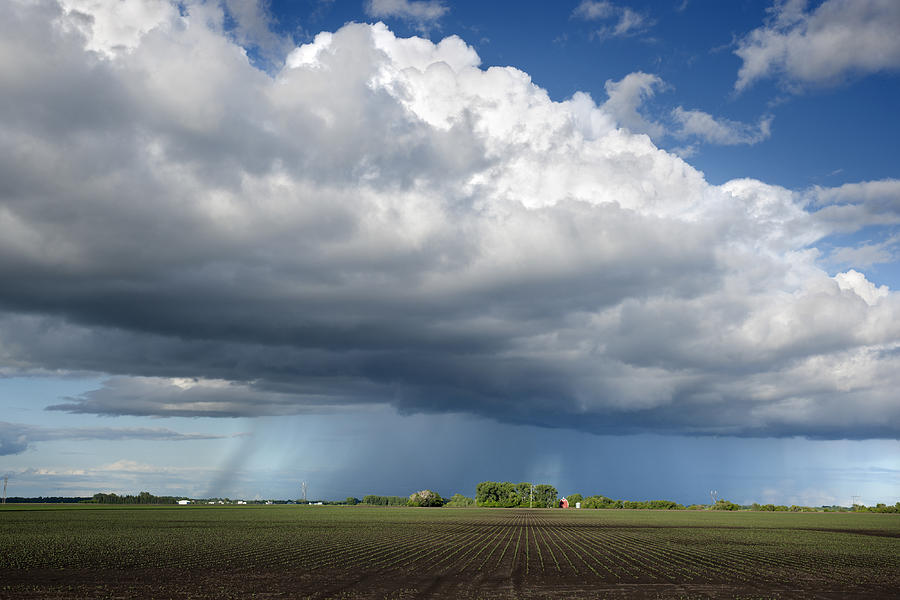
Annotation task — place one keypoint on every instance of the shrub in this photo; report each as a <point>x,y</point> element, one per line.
<point>425,498</point>
<point>460,501</point>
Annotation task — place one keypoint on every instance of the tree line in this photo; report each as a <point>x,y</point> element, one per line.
<point>374,500</point>
<point>505,494</point>
<point>142,498</point>
<point>496,494</point>
<point>605,502</point>
<point>878,508</point>
<point>47,500</point>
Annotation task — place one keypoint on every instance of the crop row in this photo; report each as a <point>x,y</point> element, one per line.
<point>533,546</point>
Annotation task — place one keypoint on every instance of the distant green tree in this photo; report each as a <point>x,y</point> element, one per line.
<point>598,502</point>
<point>497,494</point>
<point>509,494</point>
<point>523,493</point>
<point>351,501</point>
<point>574,499</point>
<point>503,494</point>
<point>375,500</point>
<point>664,505</point>
<point>460,501</point>
<point>545,495</point>
<point>725,505</point>
<point>486,492</point>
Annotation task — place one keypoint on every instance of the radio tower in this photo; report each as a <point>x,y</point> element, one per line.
<point>5,479</point>
<point>303,487</point>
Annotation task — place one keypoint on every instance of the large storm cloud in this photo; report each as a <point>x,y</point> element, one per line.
<point>382,220</point>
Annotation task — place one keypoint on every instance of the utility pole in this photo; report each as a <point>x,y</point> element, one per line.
<point>854,500</point>
<point>5,479</point>
<point>303,486</point>
<point>714,496</point>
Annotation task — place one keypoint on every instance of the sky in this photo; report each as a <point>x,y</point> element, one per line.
<point>638,249</point>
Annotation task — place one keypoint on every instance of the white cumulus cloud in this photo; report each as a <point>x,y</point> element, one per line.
<point>626,97</point>
<point>857,283</point>
<point>117,26</point>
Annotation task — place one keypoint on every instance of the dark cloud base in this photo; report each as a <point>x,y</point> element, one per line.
<point>15,438</point>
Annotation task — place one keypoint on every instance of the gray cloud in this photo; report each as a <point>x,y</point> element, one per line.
<point>423,12</point>
<point>840,38</point>
<point>724,132</point>
<point>853,206</point>
<point>384,222</point>
<point>15,438</point>
<point>868,254</point>
<point>122,477</point>
<point>628,22</point>
<point>253,29</point>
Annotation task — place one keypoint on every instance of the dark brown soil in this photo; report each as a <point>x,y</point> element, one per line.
<point>381,553</point>
<point>395,584</point>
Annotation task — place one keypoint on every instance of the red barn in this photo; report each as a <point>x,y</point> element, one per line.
<point>564,503</point>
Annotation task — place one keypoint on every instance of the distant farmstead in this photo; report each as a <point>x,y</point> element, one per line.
<point>563,503</point>
<point>183,502</point>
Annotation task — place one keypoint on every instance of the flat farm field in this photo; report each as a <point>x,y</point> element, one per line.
<point>368,552</point>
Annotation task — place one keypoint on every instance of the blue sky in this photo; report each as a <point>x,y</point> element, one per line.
<point>642,249</point>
